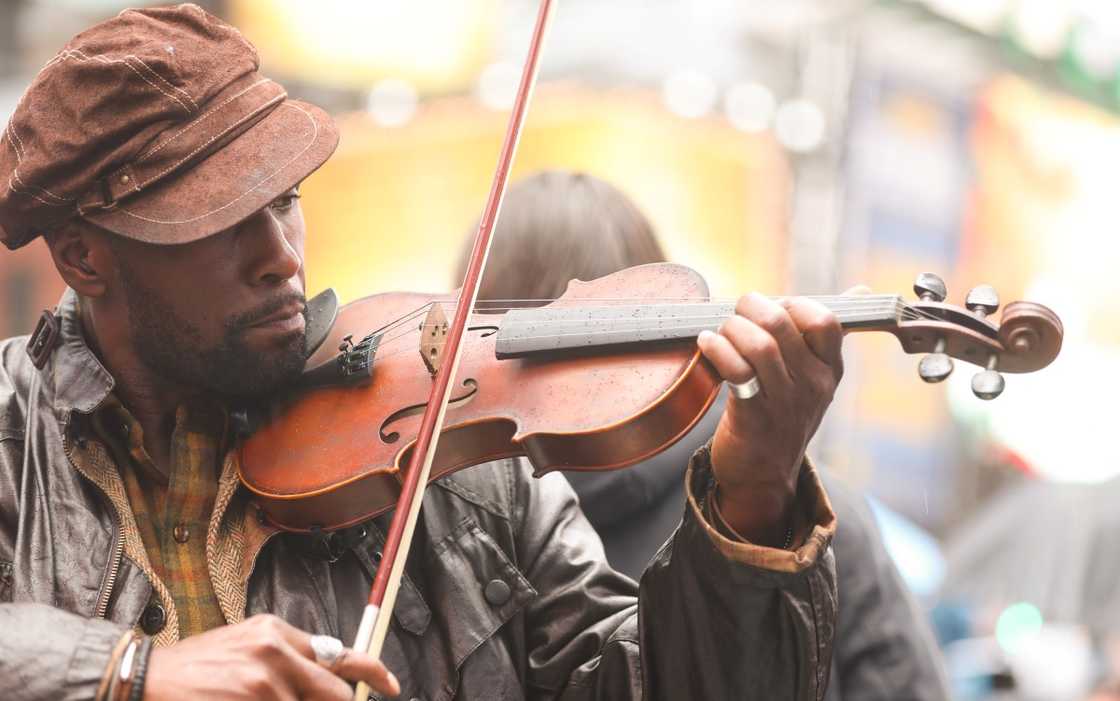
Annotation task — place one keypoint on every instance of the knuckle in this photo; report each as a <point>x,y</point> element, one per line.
<point>265,620</point>
<point>765,346</point>
<point>739,372</point>
<point>735,326</point>
<point>738,377</point>
<point>825,320</point>
<point>812,313</point>
<point>743,304</point>
<point>771,319</point>
<point>268,648</point>
<point>823,384</point>
<point>259,683</point>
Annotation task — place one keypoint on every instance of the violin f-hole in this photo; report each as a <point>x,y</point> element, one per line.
<point>393,436</point>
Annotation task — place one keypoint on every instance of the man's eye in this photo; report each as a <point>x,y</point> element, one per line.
<point>285,202</point>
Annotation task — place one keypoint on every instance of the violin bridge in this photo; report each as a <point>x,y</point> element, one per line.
<point>433,337</point>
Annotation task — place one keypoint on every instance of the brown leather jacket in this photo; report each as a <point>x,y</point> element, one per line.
<point>507,594</point>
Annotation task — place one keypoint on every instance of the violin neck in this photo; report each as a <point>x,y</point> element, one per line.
<point>560,327</point>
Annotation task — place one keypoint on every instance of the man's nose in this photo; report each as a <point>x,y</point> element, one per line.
<point>277,255</point>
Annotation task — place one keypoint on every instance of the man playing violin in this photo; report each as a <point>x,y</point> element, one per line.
<point>162,170</point>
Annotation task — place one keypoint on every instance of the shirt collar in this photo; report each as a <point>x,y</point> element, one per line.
<point>116,425</point>
<point>81,383</point>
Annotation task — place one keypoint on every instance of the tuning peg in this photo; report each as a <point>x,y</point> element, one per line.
<point>936,366</point>
<point>930,288</point>
<point>988,384</point>
<point>982,300</point>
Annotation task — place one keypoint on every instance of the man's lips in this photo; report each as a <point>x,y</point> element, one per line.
<point>287,318</point>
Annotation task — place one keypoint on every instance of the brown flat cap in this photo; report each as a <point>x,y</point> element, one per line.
<point>157,126</point>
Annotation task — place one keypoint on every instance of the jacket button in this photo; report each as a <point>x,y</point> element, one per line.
<point>181,532</point>
<point>497,592</point>
<point>153,619</point>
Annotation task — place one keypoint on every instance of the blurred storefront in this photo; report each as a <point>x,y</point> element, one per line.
<point>981,143</point>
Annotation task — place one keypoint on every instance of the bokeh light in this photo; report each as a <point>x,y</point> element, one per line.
<point>1017,624</point>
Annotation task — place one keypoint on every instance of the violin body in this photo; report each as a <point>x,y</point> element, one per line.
<point>334,456</point>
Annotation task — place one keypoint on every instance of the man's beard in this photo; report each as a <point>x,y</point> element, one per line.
<point>172,347</point>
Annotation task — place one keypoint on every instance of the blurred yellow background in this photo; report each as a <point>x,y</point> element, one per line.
<point>391,209</point>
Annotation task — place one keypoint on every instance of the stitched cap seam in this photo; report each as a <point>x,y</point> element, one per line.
<point>311,142</point>
<point>20,151</point>
<point>81,57</point>
<point>195,152</point>
<point>198,120</point>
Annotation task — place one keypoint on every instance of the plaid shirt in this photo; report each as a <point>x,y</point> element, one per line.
<point>173,509</point>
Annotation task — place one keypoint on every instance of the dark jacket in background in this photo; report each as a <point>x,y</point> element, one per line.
<point>883,650</point>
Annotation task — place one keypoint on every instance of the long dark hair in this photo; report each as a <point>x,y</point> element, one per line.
<point>557,226</point>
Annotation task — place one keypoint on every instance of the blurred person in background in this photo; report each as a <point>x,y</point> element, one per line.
<point>1109,691</point>
<point>162,170</point>
<point>557,226</point>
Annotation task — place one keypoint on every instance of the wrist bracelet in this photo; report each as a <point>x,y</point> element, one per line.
<point>107,688</point>
<point>142,656</point>
<point>122,679</point>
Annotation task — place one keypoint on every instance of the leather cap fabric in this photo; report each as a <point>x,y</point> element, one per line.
<point>154,125</point>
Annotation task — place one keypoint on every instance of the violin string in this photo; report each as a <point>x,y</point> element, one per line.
<point>652,323</point>
<point>849,309</point>
<point>419,311</point>
<point>404,319</point>
<point>681,327</point>
<point>682,298</point>
<point>851,303</point>
<point>491,305</point>
<point>920,313</point>
<point>887,303</point>
<point>390,326</point>
<point>684,301</point>
<point>413,349</point>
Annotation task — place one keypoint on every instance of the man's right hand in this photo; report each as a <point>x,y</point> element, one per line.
<point>261,658</point>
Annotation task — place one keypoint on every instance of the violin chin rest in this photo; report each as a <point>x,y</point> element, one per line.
<point>322,310</point>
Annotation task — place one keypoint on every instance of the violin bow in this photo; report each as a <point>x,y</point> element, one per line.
<point>379,610</point>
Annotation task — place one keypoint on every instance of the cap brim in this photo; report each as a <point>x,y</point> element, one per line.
<point>221,191</point>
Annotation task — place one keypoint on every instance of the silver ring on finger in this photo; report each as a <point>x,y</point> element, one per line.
<point>746,390</point>
<point>328,651</point>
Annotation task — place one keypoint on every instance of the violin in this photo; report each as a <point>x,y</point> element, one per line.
<point>605,376</point>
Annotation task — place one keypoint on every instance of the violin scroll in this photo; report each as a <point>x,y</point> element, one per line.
<point>1028,337</point>
<point>1030,334</point>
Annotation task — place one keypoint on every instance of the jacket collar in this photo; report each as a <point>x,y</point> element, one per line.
<point>80,381</point>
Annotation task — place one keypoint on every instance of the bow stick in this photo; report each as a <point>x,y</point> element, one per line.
<point>379,611</point>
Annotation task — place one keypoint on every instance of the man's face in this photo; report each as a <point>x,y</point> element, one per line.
<point>225,314</point>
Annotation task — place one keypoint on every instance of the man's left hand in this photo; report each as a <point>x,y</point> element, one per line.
<point>793,347</point>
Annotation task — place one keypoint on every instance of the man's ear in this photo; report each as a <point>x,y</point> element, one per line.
<point>83,257</point>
